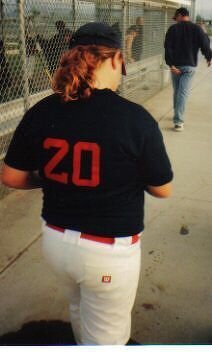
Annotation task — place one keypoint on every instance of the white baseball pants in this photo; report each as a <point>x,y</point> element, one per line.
<point>102,279</point>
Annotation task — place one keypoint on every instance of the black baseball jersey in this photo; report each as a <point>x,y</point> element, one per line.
<point>95,158</point>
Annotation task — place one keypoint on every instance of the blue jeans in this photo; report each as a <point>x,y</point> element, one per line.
<point>181,85</point>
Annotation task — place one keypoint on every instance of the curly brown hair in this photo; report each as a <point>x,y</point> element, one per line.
<point>74,79</point>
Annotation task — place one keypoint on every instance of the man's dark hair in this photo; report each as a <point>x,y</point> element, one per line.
<point>131,29</point>
<point>181,11</point>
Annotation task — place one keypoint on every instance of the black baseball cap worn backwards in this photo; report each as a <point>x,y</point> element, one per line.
<point>97,33</point>
<point>181,11</point>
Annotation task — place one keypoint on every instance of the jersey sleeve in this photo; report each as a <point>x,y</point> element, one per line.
<point>21,154</point>
<point>155,164</point>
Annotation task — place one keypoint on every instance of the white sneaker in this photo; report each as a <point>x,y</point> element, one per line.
<point>179,128</point>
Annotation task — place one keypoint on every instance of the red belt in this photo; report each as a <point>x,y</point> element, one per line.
<point>107,240</point>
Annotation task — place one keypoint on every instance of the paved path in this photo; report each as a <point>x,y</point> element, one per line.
<point>174,302</point>
<point>175,292</point>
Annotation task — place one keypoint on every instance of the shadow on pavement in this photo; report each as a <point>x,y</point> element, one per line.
<point>42,332</point>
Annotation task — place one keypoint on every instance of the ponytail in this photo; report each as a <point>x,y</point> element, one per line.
<point>74,79</point>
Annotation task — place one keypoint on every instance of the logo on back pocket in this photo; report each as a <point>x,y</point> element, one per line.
<point>106,279</point>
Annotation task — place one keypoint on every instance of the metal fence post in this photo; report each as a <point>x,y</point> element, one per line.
<point>164,72</point>
<point>2,19</point>
<point>123,39</point>
<point>73,15</point>
<point>21,20</point>
<point>193,10</point>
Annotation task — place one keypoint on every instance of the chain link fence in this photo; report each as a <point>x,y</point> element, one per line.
<point>34,34</point>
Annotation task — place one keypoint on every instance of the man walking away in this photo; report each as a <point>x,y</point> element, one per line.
<point>137,43</point>
<point>182,43</point>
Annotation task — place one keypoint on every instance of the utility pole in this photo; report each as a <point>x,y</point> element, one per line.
<point>2,19</point>
<point>193,10</point>
<point>22,39</point>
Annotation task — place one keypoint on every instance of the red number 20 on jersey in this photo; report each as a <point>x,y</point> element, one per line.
<point>63,148</point>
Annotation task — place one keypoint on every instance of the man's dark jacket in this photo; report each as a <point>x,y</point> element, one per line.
<point>182,43</point>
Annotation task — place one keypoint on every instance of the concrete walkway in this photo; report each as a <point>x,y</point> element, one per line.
<point>174,300</point>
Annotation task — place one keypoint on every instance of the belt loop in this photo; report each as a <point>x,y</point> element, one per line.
<point>123,241</point>
<point>71,236</point>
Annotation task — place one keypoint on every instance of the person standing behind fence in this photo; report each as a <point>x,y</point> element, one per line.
<point>130,37</point>
<point>31,51</point>
<point>96,154</point>
<point>54,47</point>
<point>5,76</point>
<point>60,42</point>
<point>182,43</point>
<point>116,28</point>
<point>138,39</point>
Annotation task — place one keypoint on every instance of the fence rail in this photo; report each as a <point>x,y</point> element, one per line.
<point>34,34</point>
